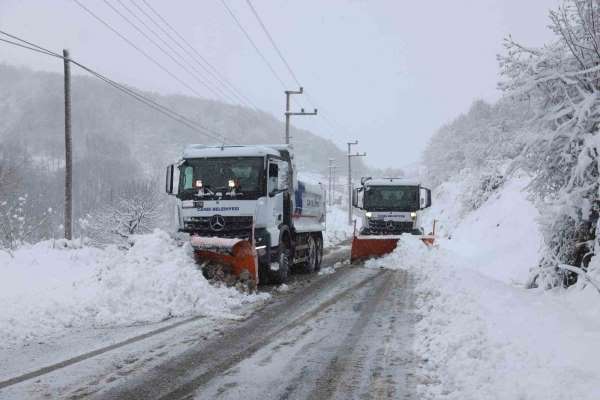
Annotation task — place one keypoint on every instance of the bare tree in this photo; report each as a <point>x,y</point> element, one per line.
<point>137,210</point>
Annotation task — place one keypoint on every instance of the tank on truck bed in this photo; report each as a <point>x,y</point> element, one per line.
<point>249,193</point>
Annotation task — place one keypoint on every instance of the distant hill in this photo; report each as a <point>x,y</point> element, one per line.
<point>109,124</point>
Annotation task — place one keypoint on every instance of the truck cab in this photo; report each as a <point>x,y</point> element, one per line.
<point>391,206</point>
<point>251,193</point>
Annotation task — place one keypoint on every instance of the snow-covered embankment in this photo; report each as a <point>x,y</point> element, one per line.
<point>52,287</point>
<point>480,334</point>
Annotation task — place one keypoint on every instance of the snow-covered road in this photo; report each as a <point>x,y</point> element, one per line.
<point>335,335</point>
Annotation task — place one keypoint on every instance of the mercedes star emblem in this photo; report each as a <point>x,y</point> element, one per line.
<point>217,223</point>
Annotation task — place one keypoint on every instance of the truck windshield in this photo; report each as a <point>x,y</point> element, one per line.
<point>391,198</point>
<point>214,174</point>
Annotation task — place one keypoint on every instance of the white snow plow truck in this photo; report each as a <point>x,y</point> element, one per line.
<point>389,207</point>
<point>247,214</point>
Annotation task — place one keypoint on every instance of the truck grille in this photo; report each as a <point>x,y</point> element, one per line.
<point>381,227</point>
<point>232,227</point>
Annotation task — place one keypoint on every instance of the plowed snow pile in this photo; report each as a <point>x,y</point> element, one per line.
<point>479,338</point>
<point>480,334</point>
<point>48,288</point>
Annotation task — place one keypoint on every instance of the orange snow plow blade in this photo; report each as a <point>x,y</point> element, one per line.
<point>237,256</point>
<point>366,247</point>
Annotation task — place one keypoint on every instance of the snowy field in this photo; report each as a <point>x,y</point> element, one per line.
<point>480,333</point>
<point>51,288</point>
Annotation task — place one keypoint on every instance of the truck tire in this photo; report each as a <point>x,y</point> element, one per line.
<point>283,259</point>
<point>310,265</point>
<point>319,242</point>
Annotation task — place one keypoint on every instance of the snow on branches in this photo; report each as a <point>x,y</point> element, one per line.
<point>562,82</point>
<point>137,210</point>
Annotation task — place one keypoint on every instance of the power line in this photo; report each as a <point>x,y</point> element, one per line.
<point>25,47</point>
<point>209,68</point>
<point>153,32</point>
<point>266,31</point>
<point>210,89</point>
<point>141,98</point>
<point>196,74</point>
<point>149,57</point>
<point>288,66</point>
<point>239,24</point>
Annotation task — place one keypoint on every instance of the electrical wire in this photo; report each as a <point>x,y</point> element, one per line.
<point>138,96</point>
<point>194,54</point>
<point>216,91</point>
<point>129,42</point>
<point>262,56</point>
<point>312,102</point>
<point>266,31</point>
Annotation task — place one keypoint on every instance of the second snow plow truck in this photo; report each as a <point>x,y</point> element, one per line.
<point>247,214</point>
<point>389,207</point>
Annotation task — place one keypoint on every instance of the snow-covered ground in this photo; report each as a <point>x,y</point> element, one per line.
<point>51,288</point>
<point>501,237</point>
<point>480,334</point>
<point>338,229</point>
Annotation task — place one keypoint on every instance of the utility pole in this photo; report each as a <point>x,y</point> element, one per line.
<point>68,151</point>
<point>350,155</point>
<point>288,113</point>
<point>333,181</point>
<point>330,187</point>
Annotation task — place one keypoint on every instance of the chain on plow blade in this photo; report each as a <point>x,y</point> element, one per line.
<point>233,261</point>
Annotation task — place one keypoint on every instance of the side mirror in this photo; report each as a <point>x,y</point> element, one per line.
<point>169,179</point>
<point>425,198</point>
<point>355,198</point>
<point>273,179</point>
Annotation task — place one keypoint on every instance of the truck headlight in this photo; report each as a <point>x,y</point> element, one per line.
<point>187,204</point>
<point>413,215</point>
<point>368,214</point>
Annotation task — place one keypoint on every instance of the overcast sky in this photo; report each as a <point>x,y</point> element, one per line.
<point>387,73</point>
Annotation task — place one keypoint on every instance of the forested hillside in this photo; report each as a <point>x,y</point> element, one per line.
<point>121,148</point>
<point>546,125</point>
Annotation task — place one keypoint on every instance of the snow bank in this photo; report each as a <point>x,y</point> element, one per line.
<point>337,229</point>
<point>45,290</point>
<point>501,238</point>
<point>479,338</point>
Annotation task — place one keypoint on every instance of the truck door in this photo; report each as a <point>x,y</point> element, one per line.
<point>276,186</point>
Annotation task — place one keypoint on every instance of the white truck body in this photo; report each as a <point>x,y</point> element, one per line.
<point>391,206</point>
<point>232,191</point>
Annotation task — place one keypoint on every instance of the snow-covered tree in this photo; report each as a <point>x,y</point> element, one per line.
<point>562,81</point>
<point>137,210</point>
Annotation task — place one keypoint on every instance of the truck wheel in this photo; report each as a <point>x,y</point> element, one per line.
<point>310,264</point>
<point>281,275</point>
<point>319,241</point>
